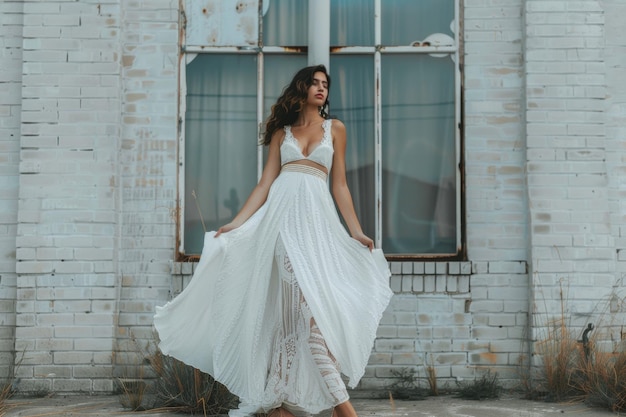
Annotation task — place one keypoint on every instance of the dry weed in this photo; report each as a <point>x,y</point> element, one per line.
<point>186,389</point>
<point>603,380</point>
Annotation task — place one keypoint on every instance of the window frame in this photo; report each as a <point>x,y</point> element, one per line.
<point>188,53</point>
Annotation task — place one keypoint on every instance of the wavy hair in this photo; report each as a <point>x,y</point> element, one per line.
<point>291,102</point>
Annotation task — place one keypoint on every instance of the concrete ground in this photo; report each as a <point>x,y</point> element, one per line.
<point>443,406</point>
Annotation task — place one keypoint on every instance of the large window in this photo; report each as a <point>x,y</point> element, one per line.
<point>395,73</point>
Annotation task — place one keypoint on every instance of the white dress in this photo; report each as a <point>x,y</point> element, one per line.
<point>278,307</point>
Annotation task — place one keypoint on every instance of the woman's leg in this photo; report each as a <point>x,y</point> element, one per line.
<point>280,412</point>
<point>344,409</point>
<point>326,364</point>
<point>294,309</point>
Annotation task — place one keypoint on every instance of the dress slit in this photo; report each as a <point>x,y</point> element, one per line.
<point>300,351</point>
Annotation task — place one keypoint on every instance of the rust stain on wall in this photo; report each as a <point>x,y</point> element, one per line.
<point>504,71</point>
<point>128,60</point>
<point>248,26</point>
<point>209,8</point>
<point>241,7</point>
<point>510,170</point>
<point>137,73</point>
<point>489,357</point>
<point>500,120</point>
<point>135,96</point>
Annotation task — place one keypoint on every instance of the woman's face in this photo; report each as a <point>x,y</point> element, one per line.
<point>318,91</point>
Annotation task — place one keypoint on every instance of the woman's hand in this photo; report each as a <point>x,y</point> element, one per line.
<point>364,240</point>
<point>226,228</point>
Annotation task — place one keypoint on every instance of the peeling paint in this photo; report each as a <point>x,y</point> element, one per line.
<point>217,23</point>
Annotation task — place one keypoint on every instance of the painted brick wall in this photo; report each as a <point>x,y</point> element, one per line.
<point>456,318</point>
<point>496,310</point>
<point>10,102</point>
<point>67,237</point>
<point>573,170</point>
<point>494,131</point>
<point>148,171</point>
<point>615,53</point>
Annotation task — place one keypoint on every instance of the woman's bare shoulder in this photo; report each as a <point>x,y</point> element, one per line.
<point>278,136</point>
<point>337,124</point>
<point>338,129</point>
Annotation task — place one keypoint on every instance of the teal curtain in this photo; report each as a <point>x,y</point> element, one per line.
<point>220,141</point>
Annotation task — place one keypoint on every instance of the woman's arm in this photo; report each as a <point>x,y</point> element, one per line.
<point>341,192</point>
<point>260,192</point>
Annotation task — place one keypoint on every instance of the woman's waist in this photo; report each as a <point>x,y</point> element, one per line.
<point>304,169</point>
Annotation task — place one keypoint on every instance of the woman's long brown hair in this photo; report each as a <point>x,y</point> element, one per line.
<point>291,102</point>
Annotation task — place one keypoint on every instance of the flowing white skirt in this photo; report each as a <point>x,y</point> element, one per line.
<point>279,305</point>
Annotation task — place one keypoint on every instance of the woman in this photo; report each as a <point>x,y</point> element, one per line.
<point>283,299</point>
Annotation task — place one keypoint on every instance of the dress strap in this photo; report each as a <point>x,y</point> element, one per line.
<point>327,130</point>
<point>288,135</point>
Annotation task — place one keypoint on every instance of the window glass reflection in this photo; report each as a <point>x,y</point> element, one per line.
<point>351,22</point>
<point>352,101</point>
<point>286,23</point>
<point>418,147</point>
<point>407,21</point>
<point>220,141</point>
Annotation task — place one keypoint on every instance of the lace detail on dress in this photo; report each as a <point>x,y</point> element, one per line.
<point>291,151</point>
<point>300,351</point>
<point>327,365</point>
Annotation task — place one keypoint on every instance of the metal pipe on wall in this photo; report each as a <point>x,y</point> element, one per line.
<point>319,32</point>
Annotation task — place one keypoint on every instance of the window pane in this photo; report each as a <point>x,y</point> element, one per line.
<point>419,162</point>
<point>351,22</point>
<point>352,101</point>
<point>278,72</point>
<point>286,23</point>
<point>220,141</point>
<point>407,21</point>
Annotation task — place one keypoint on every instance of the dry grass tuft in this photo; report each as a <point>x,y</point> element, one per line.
<point>406,386</point>
<point>185,389</point>
<point>431,377</point>
<point>579,370</point>
<point>568,372</point>
<point>485,387</point>
<point>133,393</point>
<point>5,394</point>
<point>603,380</point>
<point>7,386</point>
<point>561,356</point>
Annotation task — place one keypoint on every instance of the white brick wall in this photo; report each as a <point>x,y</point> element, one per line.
<point>92,105</point>
<point>460,330</point>
<point>149,168</point>
<point>615,114</point>
<point>10,81</point>
<point>494,144</point>
<point>615,51</point>
<point>573,172</point>
<point>67,236</point>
